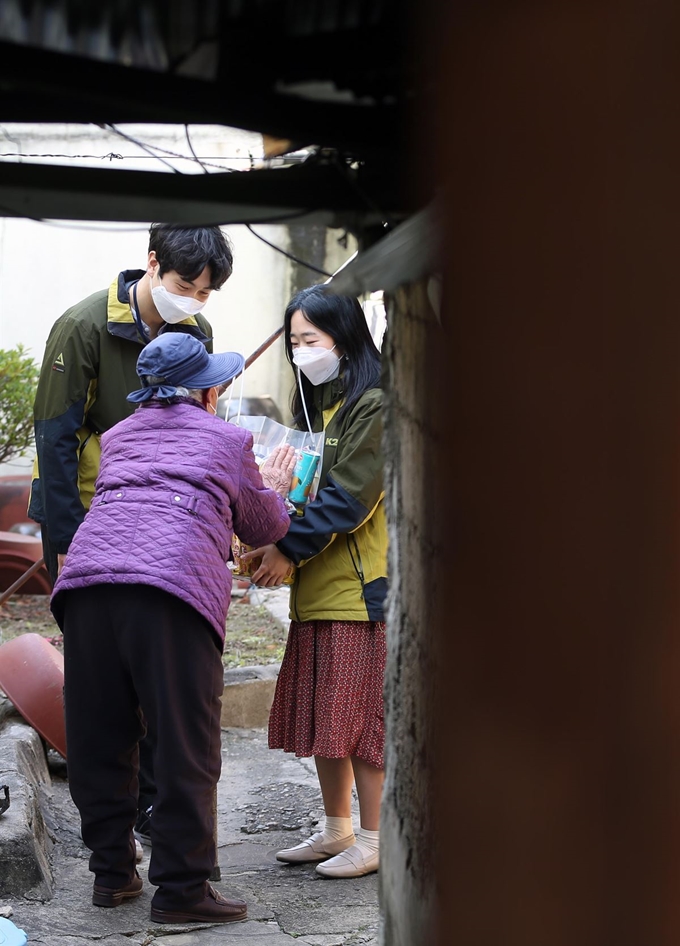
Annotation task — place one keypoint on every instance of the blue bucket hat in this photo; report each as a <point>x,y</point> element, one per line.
<point>176,359</point>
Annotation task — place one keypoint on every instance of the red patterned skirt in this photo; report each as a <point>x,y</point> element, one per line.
<point>329,694</point>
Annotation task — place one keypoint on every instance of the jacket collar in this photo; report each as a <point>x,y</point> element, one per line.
<point>120,320</point>
<point>328,394</point>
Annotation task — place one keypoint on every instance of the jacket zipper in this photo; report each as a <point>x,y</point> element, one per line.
<point>358,567</point>
<point>295,594</point>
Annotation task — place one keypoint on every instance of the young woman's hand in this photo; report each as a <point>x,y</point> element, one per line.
<point>277,469</point>
<point>273,568</point>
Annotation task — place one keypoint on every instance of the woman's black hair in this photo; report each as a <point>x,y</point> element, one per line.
<point>188,250</point>
<point>343,319</point>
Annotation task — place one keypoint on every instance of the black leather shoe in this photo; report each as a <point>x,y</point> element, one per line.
<point>213,908</point>
<point>114,896</point>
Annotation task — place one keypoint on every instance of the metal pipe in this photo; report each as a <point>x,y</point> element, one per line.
<point>21,580</point>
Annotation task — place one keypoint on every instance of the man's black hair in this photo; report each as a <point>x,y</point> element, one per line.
<point>343,319</point>
<point>188,250</point>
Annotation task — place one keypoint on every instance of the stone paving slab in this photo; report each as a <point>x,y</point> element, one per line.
<point>25,840</point>
<point>248,695</point>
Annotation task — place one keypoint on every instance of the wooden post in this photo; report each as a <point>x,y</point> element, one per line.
<point>557,596</point>
<point>543,506</point>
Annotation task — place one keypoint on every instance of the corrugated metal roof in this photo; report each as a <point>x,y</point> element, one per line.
<point>151,34</point>
<point>205,38</point>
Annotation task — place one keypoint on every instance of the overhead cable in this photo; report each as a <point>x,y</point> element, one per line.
<point>279,249</point>
<point>291,256</point>
<point>140,144</point>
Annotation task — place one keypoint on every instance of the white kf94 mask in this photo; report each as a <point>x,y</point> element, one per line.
<point>317,364</point>
<point>172,307</point>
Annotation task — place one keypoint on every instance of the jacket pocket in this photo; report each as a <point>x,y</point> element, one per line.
<point>374,598</point>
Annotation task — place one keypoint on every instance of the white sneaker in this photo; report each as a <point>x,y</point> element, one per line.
<point>314,849</point>
<point>139,851</point>
<point>352,862</point>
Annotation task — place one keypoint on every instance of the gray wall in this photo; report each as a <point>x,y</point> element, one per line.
<point>407,857</point>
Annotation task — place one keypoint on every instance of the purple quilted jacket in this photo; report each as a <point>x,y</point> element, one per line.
<point>174,483</point>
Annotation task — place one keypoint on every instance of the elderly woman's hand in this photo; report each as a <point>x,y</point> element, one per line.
<point>277,469</point>
<point>273,568</point>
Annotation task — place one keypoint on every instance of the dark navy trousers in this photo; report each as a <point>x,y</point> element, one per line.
<point>147,785</point>
<point>135,653</point>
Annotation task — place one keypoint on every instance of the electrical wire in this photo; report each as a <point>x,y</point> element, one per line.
<point>140,144</point>
<point>9,211</point>
<point>295,259</point>
<point>173,154</point>
<point>111,155</point>
<point>128,157</point>
<point>191,148</point>
<point>347,176</point>
<point>278,249</point>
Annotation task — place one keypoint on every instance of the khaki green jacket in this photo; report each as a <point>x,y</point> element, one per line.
<point>88,370</point>
<point>340,541</point>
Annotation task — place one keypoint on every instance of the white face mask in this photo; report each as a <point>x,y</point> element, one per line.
<point>172,307</point>
<point>317,364</point>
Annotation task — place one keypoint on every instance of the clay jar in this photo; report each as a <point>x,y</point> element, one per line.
<point>32,676</point>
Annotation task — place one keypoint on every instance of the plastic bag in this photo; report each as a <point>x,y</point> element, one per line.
<point>269,434</point>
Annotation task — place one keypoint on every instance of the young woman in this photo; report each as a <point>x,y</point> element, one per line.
<point>329,695</point>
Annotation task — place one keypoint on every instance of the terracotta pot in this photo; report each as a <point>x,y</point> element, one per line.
<point>14,495</point>
<point>13,567</point>
<point>17,554</point>
<point>32,676</point>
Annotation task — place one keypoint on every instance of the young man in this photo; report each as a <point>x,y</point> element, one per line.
<point>89,368</point>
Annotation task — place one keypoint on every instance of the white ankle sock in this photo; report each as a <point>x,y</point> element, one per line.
<point>368,842</point>
<point>335,829</point>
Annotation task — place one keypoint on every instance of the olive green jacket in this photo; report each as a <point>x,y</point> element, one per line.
<point>339,543</point>
<point>88,369</point>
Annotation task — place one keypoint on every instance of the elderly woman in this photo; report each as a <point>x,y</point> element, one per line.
<point>142,601</point>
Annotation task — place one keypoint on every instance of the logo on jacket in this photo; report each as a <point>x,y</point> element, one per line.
<point>58,364</point>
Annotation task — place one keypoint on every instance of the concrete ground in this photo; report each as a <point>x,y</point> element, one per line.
<point>267,800</point>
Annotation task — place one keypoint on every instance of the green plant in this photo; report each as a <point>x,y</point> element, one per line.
<point>18,381</point>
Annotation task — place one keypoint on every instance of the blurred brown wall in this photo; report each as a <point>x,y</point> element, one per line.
<point>537,656</point>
